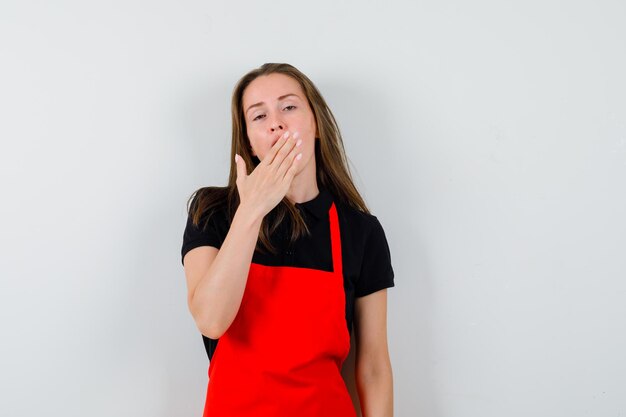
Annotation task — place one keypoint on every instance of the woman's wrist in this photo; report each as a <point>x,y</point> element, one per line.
<point>250,215</point>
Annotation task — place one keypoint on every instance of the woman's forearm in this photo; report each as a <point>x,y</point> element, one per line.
<point>218,295</point>
<point>375,388</point>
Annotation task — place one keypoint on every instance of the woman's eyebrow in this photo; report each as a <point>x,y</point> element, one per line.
<point>279,98</point>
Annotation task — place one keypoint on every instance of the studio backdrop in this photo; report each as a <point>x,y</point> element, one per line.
<point>489,139</point>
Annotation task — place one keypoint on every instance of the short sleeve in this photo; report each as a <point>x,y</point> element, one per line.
<point>211,234</point>
<point>376,269</point>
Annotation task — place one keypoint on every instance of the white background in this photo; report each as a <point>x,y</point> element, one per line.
<point>488,137</point>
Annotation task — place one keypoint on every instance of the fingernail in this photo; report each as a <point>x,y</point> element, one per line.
<point>236,158</point>
<point>299,156</point>
<point>296,135</point>
<point>298,142</point>
<point>286,135</point>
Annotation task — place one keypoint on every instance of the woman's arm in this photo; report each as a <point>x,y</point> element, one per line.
<point>374,377</point>
<point>216,280</point>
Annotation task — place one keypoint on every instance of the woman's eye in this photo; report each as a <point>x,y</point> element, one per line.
<point>291,105</point>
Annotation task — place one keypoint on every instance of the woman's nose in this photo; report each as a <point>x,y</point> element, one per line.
<point>276,124</point>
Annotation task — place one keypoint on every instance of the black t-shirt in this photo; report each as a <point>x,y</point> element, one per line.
<point>366,257</point>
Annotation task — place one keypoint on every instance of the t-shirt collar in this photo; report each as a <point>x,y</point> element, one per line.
<point>320,204</point>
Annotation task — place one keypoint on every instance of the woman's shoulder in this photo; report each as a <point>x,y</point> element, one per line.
<point>206,220</point>
<point>208,201</point>
<point>357,219</point>
<point>209,193</point>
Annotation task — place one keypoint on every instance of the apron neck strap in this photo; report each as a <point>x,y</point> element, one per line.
<point>335,239</point>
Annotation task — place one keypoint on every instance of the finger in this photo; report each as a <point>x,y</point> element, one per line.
<point>284,151</point>
<point>288,160</point>
<point>291,172</point>
<point>276,147</point>
<point>241,167</point>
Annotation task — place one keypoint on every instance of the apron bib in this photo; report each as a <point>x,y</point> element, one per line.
<point>282,354</point>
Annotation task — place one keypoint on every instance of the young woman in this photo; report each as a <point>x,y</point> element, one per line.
<point>283,260</point>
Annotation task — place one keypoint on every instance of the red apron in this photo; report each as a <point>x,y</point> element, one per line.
<point>282,355</point>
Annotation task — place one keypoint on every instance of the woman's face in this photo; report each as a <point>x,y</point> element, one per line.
<point>272,105</point>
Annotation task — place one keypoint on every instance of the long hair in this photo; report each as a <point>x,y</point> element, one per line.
<point>332,169</point>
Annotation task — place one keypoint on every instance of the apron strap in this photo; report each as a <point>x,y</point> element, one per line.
<point>335,239</point>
